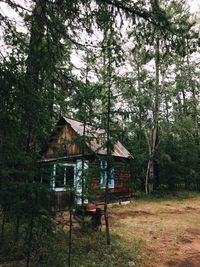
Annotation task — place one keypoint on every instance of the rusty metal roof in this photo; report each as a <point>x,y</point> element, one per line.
<point>97,138</point>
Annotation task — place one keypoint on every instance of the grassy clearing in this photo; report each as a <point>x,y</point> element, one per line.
<point>170,228</point>
<point>93,251</point>
<point>88,250</point>
<point>149,232</point>
<point>166,195</point>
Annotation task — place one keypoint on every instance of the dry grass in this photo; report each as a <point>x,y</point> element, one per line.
<point>145,233</point>
<point>170,230</point>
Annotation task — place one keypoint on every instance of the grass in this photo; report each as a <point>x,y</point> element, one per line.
<point>166,195</point>
<point>89,249</point>
<point>93,251</point>
<point>149,232</point>
<point>169,227</point>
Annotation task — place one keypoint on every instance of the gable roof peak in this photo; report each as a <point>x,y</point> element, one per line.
<point>98,138</point>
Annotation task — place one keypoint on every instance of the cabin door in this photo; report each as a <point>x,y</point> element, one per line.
<point>80,174</point>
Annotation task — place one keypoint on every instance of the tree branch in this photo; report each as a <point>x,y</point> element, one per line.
<point>133,10</point>
<point>15,5</point>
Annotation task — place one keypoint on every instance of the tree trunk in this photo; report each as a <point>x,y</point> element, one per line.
<point>83,167</point>
<point>108,176</point>
<point>3,225</point>
<point>70,229</point>
<point>108,139</point>
<point>17,229</point>
<point>191,84</point>
<point>30,240</point>
<point>153,140</point>
<point>33,72</point>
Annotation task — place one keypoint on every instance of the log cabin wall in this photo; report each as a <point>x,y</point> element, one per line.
<point>65,143</point>
<point>60,200</point>
<point>121,176</point>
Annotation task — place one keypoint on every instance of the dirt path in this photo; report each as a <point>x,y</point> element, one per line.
<point>170,230</point>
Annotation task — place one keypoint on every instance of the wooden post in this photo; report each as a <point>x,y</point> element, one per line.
<point>96,219</point>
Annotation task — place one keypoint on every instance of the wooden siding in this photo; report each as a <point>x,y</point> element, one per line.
<point>64,144</point>
<point>67,144</point>
<point>122,177</point>
<point>60,200</point>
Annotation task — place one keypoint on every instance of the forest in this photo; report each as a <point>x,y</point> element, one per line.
<point>129,67</point>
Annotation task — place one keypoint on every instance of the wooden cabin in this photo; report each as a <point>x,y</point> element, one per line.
<point>77,154</point>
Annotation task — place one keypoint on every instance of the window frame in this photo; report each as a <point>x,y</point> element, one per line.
<point>63,188</point>
<point>103,175</point>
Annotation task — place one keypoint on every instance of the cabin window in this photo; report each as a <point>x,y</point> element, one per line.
<point>103,177</point>
<point>57,176</point>
<point>60,176</point>
<point>45,175</point>
<point>63,176</point>
<point>81,166</point>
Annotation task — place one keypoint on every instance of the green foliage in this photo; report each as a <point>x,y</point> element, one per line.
<point>116,85</point>
<point>99,254</point>
<point>89,248</point>
<point>164,194</point>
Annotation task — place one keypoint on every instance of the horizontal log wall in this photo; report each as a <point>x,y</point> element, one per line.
<point>60,200</point>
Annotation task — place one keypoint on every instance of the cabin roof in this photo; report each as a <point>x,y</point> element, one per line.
<point>97,138</point>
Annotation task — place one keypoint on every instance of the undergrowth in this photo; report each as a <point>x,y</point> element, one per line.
<point>88,250</point>
<point>161,195</point>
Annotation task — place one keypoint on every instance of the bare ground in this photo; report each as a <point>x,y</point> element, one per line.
<point>170,230</point>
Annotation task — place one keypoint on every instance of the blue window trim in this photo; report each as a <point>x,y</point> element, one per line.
<point>103,175</point>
